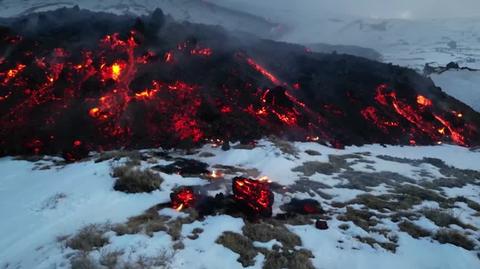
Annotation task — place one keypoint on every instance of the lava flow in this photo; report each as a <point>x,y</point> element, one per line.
<point>130,85</point>
<point>254,194</point>
<point>419,115</point>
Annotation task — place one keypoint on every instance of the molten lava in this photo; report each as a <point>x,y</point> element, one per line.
<point>423,101</point>
<point>183,198</point>
<point>263,71</point>
<point>138,89</point>
<point>254,194</point>
<point>417,116</point>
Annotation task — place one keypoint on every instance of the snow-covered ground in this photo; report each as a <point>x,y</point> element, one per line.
<point>44,201</point>
<point>461,84</point>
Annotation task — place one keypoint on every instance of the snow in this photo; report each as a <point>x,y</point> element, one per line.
<point>461,84</point>
<point>89,198</point>
<point>203,252</point>
<point>38,205</point>
<point>469,191</point>
<point>267,245</point>
<point>412,253</point>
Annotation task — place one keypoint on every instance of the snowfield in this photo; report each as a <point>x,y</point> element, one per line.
<point>461,84</point>
<point>45,203</point>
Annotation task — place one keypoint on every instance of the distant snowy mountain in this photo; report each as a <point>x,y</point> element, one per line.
<point>404,42</point>
<point>410,43</point>
<point>196,11</point>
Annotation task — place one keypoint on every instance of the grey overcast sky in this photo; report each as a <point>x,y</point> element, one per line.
<point>408,9</point>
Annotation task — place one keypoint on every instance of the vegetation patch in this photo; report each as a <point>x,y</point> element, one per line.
<point>362,218</point>
<point>444,218</point>
<point>413,230</point>
<point>89,238</point>
<point>389,246</point>
<point>131,179</point>
<point>265,232</point>
<point>448,236</point>
<point>241,245</point>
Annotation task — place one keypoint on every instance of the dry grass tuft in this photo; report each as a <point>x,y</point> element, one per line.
<point>83,261</point>
<point>298,259</point>
<point>413,230</point>
<point>362,218</point>
<point>241,245</point>
<point>284,146</point>
<point>265,232</point>
<point>447,236</point>
<point>389,246</point>
<point>89,238</point>
<point>131,179</point>
<point>444,218</point>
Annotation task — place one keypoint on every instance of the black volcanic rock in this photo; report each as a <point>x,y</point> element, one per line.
<point>112,81</point>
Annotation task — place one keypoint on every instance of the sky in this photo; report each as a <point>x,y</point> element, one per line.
<point>406,9</point>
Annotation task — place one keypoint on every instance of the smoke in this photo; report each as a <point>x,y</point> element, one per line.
<point>405,9</point>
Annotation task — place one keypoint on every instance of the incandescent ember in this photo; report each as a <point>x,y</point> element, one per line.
<point>183,198</point>
<point>255,195</point>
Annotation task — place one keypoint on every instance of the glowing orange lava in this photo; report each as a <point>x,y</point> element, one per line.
<point>263,71</point>
<point>116,71</point>
<point>423,101</point>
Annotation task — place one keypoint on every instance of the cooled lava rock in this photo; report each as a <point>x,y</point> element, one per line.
<point>113,82</point>
<point>303,206</point>
<point>321,225</point>
<point>254,195</point>
<point>184,167</point>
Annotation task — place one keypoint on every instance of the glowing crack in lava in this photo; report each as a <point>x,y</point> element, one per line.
<point>254,194</point>
<point>263,71</point>
<point>183,198</point>
<point>418,116</point>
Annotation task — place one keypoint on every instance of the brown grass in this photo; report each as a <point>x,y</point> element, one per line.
<point>413,230</point>
<point>265,232</point>
<point>284,146</point>
<point>110,259</point>
<point>89,238</point>
<point>392,247</point>
<point>131,179</point>
<point>83,261</point>
<point>298,259</point>
<point>447,236</point>
<point>362,218</point>
<point>310,168</point>
<point>444,218</point>
<point>241,245</point>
